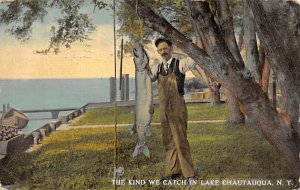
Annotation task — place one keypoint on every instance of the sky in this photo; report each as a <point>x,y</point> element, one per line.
<point>89,59</point>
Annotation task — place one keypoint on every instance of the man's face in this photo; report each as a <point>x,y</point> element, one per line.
<point>164,50</point>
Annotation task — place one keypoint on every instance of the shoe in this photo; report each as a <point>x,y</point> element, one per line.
<point>171,176</point>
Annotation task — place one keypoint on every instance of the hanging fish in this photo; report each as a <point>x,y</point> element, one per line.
<point>143,100</point>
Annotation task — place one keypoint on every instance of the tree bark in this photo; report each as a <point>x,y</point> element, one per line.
<point>199,73</point>
<point>261,59</point>
<point>214,86</point>
<point>283,47</point>
<point>230,74</point>
<point>226,25</point>
<point>235,113</point>
<point>266,68</point>
<point>241,38</point>
<point>266,76</point>
<point>252,58</point>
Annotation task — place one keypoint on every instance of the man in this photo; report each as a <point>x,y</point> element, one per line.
<point>173,112</point>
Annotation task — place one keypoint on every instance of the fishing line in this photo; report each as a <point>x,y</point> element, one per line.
<point>140,23</point>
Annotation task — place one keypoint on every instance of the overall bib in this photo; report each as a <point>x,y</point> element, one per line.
<point>173,117</point>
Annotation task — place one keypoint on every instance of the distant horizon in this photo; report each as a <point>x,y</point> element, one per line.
<point>87,78</point>
<point>70,78</point>
<point>92,58</point>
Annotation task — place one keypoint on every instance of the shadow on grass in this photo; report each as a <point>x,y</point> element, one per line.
<point>105,116</point>
<point>62,164</point>
<point>84,159</point>
<point>235,152</point>
<point>73,160</point>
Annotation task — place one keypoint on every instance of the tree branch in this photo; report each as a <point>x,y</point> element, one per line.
<point>165,28</point>
<point>226,24</point>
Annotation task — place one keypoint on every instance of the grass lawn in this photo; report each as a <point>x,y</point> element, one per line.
<point>83,159</point>
<point>125,114</point>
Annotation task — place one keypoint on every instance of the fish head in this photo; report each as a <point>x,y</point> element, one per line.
<point>141,58</point>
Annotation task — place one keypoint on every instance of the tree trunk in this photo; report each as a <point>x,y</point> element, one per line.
<point>230,74</point>
<point>199,73</point>
<point>261,59</point>
<point>241,38</point>
<point>266,68</point>
<point>236,116</point>
<point>283,47</point>
<point>252,58</point>
<point>214,86</point>
<point>226,23</point>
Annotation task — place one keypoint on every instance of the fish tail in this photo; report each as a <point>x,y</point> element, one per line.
<point>141,149</point>
<point>146,151</point>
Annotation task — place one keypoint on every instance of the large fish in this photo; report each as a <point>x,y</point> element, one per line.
<point>143,100</point>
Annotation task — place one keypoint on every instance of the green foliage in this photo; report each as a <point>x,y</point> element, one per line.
<point>125,115</point>
<point>131,26</point>
<point>99,4</point>
<point>73,25</point>
<point>193,84</point>
<point>24,13</point>
<point>137,30</point>
<point>83,159</point>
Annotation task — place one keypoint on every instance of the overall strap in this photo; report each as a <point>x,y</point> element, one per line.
<point>176,66</point>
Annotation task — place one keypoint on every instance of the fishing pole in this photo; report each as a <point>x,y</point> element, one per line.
<point>117,171</point>
<point>115,101</point>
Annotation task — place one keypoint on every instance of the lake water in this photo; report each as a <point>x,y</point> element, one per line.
<point>26,94</point>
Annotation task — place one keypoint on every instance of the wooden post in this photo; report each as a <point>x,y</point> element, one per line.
<point>54,114</point>
<point>122,87</point>
<point>126,86</point>
<point>52,126</point>
<point>64,119</point>
<point>7,106</point>
<point>43,132</point>
<point>36,137</point>
<point>112,82</point>
<point>4,108</point>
